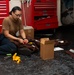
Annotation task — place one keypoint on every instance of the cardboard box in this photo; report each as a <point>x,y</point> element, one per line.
<point>46,48</point>
<point>29,31</point>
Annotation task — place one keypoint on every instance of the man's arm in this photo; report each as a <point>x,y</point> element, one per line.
<point>6,33</point>
<point>22,33</point>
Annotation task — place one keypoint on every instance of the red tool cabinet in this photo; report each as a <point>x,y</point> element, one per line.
<point>41,14</point>
<point>4,10</point>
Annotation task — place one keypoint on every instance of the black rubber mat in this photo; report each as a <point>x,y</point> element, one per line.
<point>62,64</point>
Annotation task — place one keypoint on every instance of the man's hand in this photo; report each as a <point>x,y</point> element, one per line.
<point>25,41</point>
<point>20,40</point>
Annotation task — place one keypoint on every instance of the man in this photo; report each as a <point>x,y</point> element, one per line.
<point>10,26</point>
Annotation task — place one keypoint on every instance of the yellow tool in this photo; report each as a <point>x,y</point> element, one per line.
<point>16,58</point>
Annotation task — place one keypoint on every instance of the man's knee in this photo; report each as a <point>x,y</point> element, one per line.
<point>1,37</point>
<point>12,47</point>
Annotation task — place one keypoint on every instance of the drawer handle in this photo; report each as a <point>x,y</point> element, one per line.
<point>45,14</point>
<point>47,24</point>
<point>44,11</point>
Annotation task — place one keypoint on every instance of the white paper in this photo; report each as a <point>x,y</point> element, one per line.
<point>71,50</point>
<point>58,49</point>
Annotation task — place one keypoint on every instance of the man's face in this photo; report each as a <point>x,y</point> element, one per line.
<point>17,14</point>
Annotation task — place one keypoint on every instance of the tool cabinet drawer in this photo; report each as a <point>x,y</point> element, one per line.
<point>44,13</point>
<point>46,23</point>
